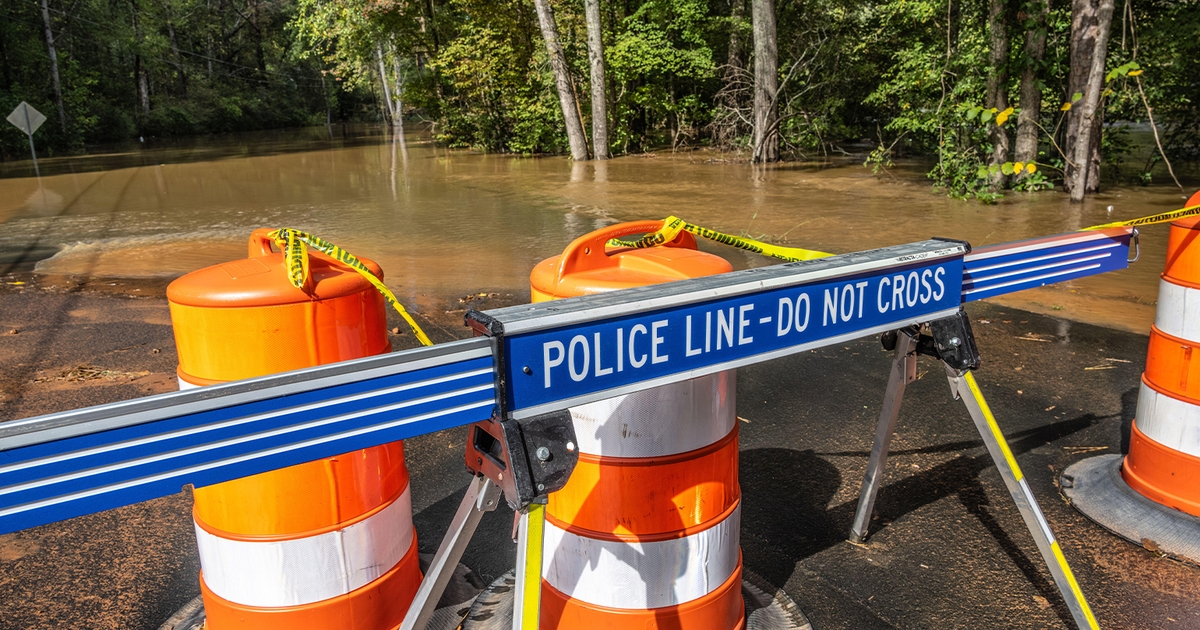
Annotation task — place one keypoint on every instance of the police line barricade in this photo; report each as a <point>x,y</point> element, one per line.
<point>514,386</point>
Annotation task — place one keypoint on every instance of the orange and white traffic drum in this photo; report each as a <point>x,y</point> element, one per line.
<point>325,545</point>
<point>1164,446</point>
<point>645,533</point>
<point>1153,492</point>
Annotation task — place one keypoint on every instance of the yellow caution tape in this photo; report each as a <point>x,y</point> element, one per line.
<point>1150,220</point>
<point>672,226</point>
<point>294,244</point>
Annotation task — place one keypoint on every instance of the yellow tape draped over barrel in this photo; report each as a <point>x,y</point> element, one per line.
<point>294,244</point>
<point>1161,217</point>
<point>672,226</point>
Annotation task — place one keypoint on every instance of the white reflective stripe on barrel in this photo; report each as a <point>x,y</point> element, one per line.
<point>1169,421</point>
<point>185,385</point>
<point>1178,312</point>
<point>311,569</point>
<point>665,420</point>
<point>641,575</point>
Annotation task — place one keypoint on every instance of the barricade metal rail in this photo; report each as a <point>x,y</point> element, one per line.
<point>535,362</point>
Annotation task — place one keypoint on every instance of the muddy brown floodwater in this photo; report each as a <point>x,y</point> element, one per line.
<point>444,222</point>
<point>947,550</point>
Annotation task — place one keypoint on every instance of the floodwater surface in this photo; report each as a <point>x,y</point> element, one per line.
<point>449,222</point>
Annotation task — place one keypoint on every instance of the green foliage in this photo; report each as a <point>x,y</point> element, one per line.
<point>962,173</point>
<point>911,73</point>
<point>230,66</point>
<point>498,95</point>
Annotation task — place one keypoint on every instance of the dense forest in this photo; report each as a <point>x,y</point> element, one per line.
<point>1020,94</point>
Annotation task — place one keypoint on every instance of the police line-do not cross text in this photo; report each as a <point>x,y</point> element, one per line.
<point>573,361</point>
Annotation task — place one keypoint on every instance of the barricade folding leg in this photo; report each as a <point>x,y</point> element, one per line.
<point>530,535</point>
<point>524,460</point>
<point>904,371</point>
<point>482,496</point>
<point>952,343</point>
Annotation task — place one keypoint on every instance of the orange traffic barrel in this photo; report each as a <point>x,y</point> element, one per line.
<point>1164,444</point>
<point>646,531</point>
<point>324,545</point>
<point>1153,492</point>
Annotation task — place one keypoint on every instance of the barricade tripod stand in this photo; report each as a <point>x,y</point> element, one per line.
<point>951,341</point>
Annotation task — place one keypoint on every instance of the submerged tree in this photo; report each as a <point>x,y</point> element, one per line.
<point>1090,25</point>
<point>766,82</point>
<point>595,42</point>
<point>562,80</point>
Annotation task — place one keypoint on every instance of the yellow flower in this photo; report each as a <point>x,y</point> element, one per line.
<point>1018,167</point>
<point>1002,117</point>
<point>1031,168</point>
<point>1066,107</point>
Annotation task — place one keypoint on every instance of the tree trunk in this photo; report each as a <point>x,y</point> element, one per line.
<point>143,84</point>
<point>1031,93</point>
<point>733,61</point>
<point>728,124</point>
<point>139,68</point>
<point>558,65</point>
<point>1088,141</point>
<point>258,41</point>
<point>325,97</point>
<point>766,81</point>
<point>433,27</point>
<point>62,113</point>
<point>599,99</point>
<point>175,50</point>
<point>397,94</point>
<point>4,69</point>
<point>208,38</point>
<point>997,85</point>
<point>388,106</point>
<point>1085,16</point>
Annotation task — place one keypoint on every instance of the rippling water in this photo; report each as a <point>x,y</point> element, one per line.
<point>446,222</point>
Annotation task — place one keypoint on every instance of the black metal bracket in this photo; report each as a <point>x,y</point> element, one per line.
<point>527,458</point>
<point>950,340</point>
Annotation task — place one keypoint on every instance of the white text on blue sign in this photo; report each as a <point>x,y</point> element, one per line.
<point>578,360</point>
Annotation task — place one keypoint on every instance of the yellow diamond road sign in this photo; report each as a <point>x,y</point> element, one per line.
<point>26,118</point>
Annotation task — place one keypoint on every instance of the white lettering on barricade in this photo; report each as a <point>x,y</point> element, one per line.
<point>671,341</point>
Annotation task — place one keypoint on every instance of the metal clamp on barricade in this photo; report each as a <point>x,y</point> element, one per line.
<point>537,453</point>
<point>524,460</point>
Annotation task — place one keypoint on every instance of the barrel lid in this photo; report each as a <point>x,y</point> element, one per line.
<point>262,280</point>
<point>588,266</point>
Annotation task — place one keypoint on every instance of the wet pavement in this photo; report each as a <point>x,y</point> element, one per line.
<point>948,548</point>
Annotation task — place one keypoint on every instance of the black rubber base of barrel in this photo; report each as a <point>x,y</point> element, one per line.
<point>456,601</point>
<point>1095,487</point>
<point>767,608</point>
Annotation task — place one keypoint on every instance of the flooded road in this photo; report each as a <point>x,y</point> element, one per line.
<point>445,222</point>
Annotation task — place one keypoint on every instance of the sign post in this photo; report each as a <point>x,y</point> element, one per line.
<point>28,119</point>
